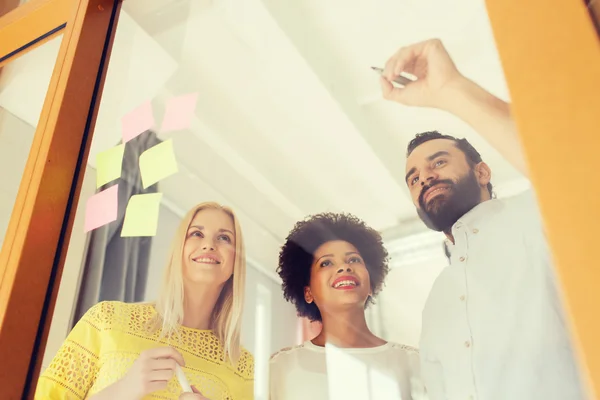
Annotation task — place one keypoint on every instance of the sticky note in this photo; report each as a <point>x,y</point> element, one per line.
<point>108,165</point>
<point>141,215</point>
<point>158,162</point>
<point>137,121</point>
<point>101,208</point>
<point>179,112</point>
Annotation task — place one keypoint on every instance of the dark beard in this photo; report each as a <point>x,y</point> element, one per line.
<point>445,209</point>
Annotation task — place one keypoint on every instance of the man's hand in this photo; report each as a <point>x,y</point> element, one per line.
<point>435,71</point>
<point>440,85</point>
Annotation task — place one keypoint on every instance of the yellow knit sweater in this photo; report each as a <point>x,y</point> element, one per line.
<point>110,337</point>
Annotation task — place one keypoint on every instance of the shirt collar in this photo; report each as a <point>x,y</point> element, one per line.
<point>477,214</point>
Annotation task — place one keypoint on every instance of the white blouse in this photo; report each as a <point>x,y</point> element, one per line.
<point>307,371</point>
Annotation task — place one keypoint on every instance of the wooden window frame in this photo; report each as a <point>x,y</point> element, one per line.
<point>31,25</point>
<point>547,52</point>
<point>550,53</point>
<point>38,234</point>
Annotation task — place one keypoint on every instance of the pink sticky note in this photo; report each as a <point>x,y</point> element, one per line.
<point>137,121</point>
<point>101,208</point>
<point>179,112</point>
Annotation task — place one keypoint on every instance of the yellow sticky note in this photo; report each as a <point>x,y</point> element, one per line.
<point>157,163</point>
<point>141,215</point>
<point>108,165</point>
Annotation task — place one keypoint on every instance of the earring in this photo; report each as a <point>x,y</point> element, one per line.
<point>308,295</point>
<point>308,298</point>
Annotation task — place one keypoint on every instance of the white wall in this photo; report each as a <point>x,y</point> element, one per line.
<point>416,261</point>
<point>16,137</point>
<point>278,319</point>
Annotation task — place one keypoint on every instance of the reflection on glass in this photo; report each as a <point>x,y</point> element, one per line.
<point>262,328</point>
<point>280,120</point>
<point>23,86</point>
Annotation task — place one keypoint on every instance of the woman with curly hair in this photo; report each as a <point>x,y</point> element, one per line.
<point>332,265</point>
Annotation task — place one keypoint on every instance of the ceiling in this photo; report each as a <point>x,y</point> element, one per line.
<point>289,119</point>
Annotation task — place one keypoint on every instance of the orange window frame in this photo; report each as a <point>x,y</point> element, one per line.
<point>550,53</point>
<point>30,25</point>
<point>554,92</point>
<point>37,237</point>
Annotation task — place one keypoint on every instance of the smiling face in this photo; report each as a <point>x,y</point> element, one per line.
<point>442,184</point>
<point>339,278</point>
<point>209,248</point>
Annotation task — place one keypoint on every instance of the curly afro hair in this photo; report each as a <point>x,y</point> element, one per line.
<point>296,255</point>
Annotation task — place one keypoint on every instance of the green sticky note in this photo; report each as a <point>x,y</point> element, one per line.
<point>157,163</point>
<point>108,165</point>
<point>141,215</point>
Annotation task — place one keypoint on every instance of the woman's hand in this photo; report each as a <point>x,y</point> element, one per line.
<point>152,371</point>
<point>193,396</point>
<point>149,373</point>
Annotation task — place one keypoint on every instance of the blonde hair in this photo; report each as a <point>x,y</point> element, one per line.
<point>226,318</point>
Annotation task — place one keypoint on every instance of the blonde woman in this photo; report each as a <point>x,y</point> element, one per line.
<point>131,351</point>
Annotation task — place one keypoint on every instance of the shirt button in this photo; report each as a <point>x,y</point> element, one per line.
<point>475,230</point>
<point>461,259</point>
<point>462,298</point>
<point>467,344</point>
